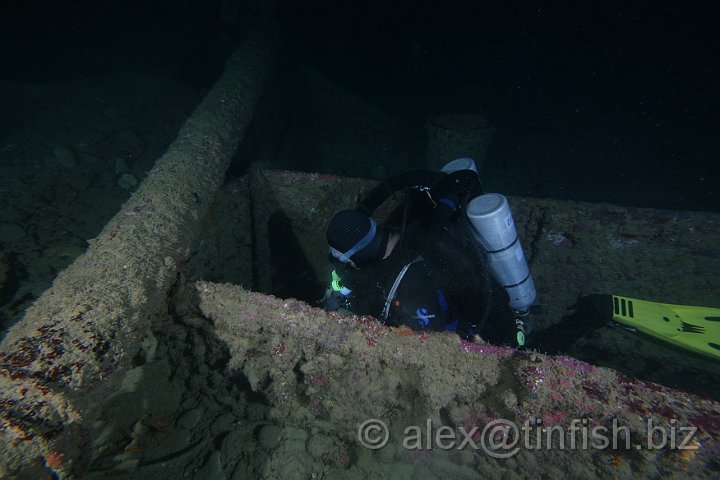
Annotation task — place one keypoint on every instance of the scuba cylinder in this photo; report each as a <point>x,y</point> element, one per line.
<point>465,163</point>
<point>494,229</point>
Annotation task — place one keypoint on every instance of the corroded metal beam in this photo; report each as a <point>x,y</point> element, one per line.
<point>82,333</point>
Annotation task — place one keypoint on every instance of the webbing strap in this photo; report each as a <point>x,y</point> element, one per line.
<point>396,285</point>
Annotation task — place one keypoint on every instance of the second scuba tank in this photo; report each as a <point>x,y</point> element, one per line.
<point>464,163</point>
<point>494,229</point>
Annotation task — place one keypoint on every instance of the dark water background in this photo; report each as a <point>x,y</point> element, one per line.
<point>600,101</point>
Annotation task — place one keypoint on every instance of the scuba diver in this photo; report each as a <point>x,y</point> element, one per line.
<point>447,259</point>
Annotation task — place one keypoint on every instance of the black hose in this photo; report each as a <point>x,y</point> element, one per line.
<point>406,215</point>
<point>487,286</point>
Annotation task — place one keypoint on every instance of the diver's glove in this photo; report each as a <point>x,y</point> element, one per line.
<point>335,300</point>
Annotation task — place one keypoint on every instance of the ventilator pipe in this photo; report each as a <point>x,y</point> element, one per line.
<point>79,340</point>
<point>494,229</point>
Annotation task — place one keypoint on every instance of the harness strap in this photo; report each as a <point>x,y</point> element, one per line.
<point>396,285</point>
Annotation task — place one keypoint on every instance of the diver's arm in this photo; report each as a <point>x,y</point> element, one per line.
<point>383,190</point>
<point>465,184</point>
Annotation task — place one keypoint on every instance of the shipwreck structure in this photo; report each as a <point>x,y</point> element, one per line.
<point>185,342</point>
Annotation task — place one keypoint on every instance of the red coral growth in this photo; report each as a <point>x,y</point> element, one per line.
<point>371,341</point>
<point>594,391</point>
<point>373,330</point>
<point>531,376</point>
<point>44,349</point>
<point>557,396</point>
<point>23,357</point>
<point>475,421</point>
<point>279,349</point>
<point>318,380</point>
<point>708,422</point>
<point>574,364</point>
<point>79,345</point>
<point>54,460</point>
<point>315,406</point>
<point>553,417</point>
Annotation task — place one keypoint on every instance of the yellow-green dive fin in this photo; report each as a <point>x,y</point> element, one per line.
<point>693,328</point>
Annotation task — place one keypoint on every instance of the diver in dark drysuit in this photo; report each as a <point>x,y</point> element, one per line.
<point>421,269</point>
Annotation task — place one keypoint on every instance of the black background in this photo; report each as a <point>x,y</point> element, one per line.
<point>614,101</point>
